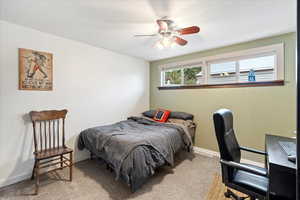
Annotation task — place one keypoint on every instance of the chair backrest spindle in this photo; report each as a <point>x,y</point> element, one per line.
<point>34,134</point>
<point>49,129</point>
<point>63,130</point>
<point>45,134</point>
<point>46,129</point>
<point>57,133</point>
<point>53,127</point>
<point>41,137</point>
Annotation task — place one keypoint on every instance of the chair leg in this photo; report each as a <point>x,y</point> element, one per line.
<point>71,166</point>
<point>61,162</point>
<point>33,170</point>
<point>37,175</point>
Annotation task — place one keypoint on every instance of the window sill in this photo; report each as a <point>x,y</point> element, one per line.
<point>227,85</point>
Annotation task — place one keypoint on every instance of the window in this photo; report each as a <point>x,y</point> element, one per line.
<point>192,75</point>
<point>262,68</point>
<point>224,72</point>
<point>183,76</point>
<point>173,77</point>
<point>264,64</point>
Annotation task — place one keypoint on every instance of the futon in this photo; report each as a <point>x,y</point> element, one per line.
<point>135,147</point>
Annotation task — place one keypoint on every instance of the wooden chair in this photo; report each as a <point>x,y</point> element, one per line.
<point>49,142</point>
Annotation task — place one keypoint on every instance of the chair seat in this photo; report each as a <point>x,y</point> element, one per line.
<point>251,181</point>
<point>52,152</point>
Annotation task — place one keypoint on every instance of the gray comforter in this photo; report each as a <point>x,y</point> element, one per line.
<point>134,148</point>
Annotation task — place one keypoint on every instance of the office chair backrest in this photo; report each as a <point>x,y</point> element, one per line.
<point>228,145</point>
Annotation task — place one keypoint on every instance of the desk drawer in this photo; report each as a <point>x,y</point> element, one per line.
<point>282,184</point>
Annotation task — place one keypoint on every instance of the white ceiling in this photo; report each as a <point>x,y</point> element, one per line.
<point>111,24</point>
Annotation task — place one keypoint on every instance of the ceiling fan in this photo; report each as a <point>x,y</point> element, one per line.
<point>169,34</point>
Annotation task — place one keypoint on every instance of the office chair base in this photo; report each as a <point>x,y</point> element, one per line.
<point>230,194</point>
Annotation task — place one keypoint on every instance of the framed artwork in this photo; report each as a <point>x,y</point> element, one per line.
<point>35,70</point>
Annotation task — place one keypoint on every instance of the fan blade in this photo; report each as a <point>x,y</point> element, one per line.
<point>189,30</point>
<point>179,41</point>
<point>168,21</point>
<point>164,18</point>
<point>149,35</point>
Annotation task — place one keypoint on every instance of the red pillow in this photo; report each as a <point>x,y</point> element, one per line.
<point>161,115</point>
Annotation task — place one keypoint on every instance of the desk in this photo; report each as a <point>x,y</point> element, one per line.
<point>282,172</point>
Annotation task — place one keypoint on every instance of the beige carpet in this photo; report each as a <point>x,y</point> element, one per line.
<point>217,189</point>
<point>190,179</point>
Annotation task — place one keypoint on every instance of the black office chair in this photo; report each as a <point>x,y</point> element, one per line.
<point>248,179</point>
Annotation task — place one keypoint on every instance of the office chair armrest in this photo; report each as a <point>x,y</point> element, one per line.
<point>253,150</point>
<point>244,167</point>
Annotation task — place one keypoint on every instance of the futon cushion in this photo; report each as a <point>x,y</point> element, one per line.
<point>181,115</point>
<point>174,115</point>
<point>149,113</point>
<point>161,115</point>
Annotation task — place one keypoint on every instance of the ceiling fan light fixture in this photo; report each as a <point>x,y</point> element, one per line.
<point>166,41</point>
<point>173,44</point>
<point>159,45</point>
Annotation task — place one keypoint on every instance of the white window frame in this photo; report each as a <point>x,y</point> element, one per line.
<point>276,49</point>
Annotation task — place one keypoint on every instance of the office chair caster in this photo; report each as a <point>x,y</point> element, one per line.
<point>226,194</point>
<point>230,194</point>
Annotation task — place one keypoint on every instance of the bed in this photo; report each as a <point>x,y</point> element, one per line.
<point>135,147</point>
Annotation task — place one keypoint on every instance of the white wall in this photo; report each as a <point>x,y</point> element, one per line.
<point>97,86</point>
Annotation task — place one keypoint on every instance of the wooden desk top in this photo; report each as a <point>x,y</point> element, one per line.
<point>276,155</point>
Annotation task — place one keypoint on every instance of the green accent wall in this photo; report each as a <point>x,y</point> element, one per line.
<point>257,110</point>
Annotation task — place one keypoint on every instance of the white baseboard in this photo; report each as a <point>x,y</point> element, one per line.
<point>197,150</point>
<point>21,177</point>
<point>14,179</point>
<point>206,152</point>
<point>210,153</point>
